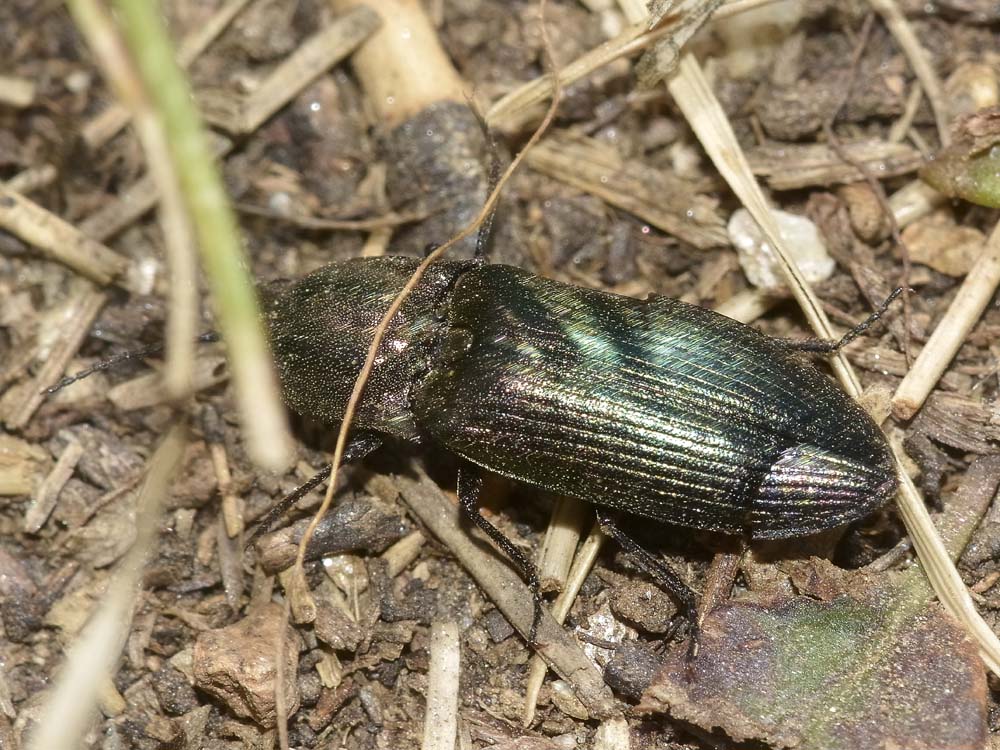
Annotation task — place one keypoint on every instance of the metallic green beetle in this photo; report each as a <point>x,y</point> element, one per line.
<point>655,408</point>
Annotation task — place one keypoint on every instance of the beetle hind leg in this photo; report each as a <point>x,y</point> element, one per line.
<point>470,484</point>
<point>659,571</point>
<point>822,346</point>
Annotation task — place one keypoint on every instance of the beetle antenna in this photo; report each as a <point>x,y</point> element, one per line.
<point>121,357</point>
<point>496,169</point>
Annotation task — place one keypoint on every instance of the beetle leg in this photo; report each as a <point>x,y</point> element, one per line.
<point>822,346</point>
<point>470,483</point>
<point>357,449</point>
<point>657,570</point>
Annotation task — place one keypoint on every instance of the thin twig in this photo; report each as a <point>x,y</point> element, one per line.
<point>320,224</point>
<point>971,300</point>
<point>443,680</point>
<point>901,29</point>
<point>59,240</point>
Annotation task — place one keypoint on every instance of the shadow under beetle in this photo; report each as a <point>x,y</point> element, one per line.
<point>650,407</point>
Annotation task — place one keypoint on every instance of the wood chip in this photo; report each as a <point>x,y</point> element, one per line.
<point>792,166</point>
<point>58,239</point>
<point>21,466</point>
<point>45,497</point>
<point>595,168</point>
<point>16,91</point>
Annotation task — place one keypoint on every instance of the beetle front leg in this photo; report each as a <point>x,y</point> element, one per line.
<point>470,485</point>
<point>659,571</point>
<point>358,448</point>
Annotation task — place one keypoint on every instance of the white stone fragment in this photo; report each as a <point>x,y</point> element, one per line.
<point>758,259</point>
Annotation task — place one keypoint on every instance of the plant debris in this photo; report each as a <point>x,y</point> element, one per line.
<point>324,163</point>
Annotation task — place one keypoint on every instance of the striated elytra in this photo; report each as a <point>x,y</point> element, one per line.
<point>657,408</point>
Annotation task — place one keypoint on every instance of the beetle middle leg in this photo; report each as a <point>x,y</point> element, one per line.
<point>470,484</point>
<point>659,571</point>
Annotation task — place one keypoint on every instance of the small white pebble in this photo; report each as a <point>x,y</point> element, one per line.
<point>758,259</point>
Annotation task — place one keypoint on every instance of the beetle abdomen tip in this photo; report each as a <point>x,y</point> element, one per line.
<point>810,489</point>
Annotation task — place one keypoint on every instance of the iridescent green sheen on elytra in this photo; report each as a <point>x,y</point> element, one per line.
<point>656,407</point>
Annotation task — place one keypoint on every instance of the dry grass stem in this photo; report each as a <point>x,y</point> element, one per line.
<point>59,239</point>
<point>386,221</point>
<point>32,179</point>
<point>104,126</point>
<point>970,302</point>
<point>561,537</point>
<point>69,707</point>
<point>582,565</point>
<point>443,679</point>
<point>793,166</point>
<point>401,554</point>
<point>520,106</point>
<point>43,500</point>
<point>310,60</point>
<point>901,128</point>
<point>232,514</point>
<point>920,61</point>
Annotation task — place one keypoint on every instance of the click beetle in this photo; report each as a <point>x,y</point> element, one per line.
<point>655,408</point>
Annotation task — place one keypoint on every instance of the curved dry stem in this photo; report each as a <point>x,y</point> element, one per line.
<point>302,605</point>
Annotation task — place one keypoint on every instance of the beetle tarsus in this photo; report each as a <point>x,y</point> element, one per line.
<point>470,484</point>
<point>659,571</point>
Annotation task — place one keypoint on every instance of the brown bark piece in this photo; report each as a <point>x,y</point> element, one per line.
<point>236,664</point>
